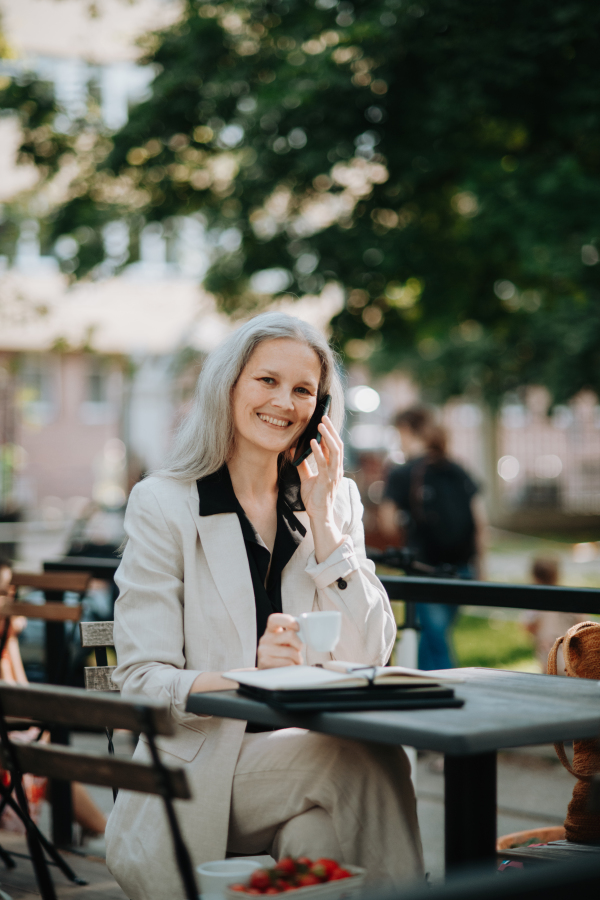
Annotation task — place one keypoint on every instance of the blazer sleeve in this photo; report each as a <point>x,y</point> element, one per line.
<point>346,581</point>
<point>149,635</point>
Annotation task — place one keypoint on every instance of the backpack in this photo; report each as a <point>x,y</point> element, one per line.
<point>442,510</point>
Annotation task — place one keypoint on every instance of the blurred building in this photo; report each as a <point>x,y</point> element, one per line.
<point>91,369</point>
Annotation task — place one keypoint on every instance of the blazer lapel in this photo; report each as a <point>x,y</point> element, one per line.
<point>225,551</point>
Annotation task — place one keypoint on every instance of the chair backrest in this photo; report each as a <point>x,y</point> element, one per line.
<point>75,708</point>
<point>53,582</point>
<point>98,636</point>
<point>49,612</point>
<point>65,763</point>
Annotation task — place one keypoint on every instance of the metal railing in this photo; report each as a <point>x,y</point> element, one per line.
<point>418,589</point>
<point>423,583</point>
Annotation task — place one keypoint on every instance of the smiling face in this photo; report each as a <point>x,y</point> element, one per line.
<point>275,396</point>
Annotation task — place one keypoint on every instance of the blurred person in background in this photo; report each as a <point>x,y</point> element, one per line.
<point>85,812</point>
<point>547,626</point>
<point>434,501</point>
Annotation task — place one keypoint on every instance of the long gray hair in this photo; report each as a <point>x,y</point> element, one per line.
<point>205,438</point>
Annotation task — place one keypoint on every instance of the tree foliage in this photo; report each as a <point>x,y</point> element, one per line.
<point>440,159</point>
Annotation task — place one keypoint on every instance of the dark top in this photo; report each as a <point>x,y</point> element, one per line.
<point>217,496</point>
<point>435,496</point>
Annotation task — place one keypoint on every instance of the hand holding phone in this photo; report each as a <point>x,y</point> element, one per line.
<point>311,432</point>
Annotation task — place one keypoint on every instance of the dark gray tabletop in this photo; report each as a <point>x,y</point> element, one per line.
<point>502,709</point>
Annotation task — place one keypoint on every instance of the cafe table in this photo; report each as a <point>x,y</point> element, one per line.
<point>501,709</point>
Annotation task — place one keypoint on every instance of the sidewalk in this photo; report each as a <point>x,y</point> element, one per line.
<point>19,883</point>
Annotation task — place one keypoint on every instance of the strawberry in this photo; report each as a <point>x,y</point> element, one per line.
<point>304,861</point>
<point>328,865</point>
<point>339,873</point>
<point>237,887</point>
<point>260,879</point>
<point>307,880</point>
<point>319,871</point>
<point>272,890</point>
<point>285,868</point>
<point>250,890</point>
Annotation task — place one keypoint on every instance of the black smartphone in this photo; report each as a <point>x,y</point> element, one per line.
<point>311,432</point>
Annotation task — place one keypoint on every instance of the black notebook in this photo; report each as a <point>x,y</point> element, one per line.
<point>338,686</point>
<point>355,699</point>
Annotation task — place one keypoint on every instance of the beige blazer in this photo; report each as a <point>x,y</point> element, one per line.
<point>186,605</point>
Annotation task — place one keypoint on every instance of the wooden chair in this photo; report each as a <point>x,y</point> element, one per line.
<point>75,708</point>
<point>98,636</point>
<point>550,844</point>
<point>55,613</point>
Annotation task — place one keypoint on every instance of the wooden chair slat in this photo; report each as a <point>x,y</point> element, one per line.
<point>76,708</point>
<point>50,612</point>
<point>53,581</point>
<point>99,678</point>
<point>96,634</point>
<point>17,724</point>
<point>66,763</point>
<point>549,853</point>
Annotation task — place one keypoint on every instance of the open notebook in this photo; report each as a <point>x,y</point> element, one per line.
<point>339,685</point>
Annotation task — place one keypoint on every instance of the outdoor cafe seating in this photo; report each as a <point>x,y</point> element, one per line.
<point>74,708</point>
<point>466,761</point>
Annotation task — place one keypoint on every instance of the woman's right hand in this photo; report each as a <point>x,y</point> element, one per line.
<point>280,644</point>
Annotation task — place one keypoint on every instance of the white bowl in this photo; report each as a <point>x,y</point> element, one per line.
<point>215,876</point>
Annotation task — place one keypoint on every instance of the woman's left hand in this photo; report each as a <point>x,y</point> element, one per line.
<point>319,491</point>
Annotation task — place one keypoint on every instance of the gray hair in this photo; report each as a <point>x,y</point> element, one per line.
<point>205,438</point>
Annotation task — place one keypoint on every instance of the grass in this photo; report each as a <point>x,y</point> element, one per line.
<point>492,642</point>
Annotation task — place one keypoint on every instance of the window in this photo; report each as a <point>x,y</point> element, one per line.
<point>38,389</point>
<point>97,382</point>
<point>101,391</point>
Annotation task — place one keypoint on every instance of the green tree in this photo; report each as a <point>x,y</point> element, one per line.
<point>439,159</point>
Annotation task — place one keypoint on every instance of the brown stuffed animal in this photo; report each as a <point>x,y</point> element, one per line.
<point>581,652</point>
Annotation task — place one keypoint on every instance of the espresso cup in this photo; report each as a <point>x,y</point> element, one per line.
<point>215,876</point>
<point>320,630</point>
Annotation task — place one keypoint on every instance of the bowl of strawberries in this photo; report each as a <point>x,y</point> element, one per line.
<point>324,879</point>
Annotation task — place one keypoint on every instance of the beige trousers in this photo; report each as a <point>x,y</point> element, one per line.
<point>299,793</point>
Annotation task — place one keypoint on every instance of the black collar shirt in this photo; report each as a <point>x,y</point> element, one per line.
<point>217,496</point>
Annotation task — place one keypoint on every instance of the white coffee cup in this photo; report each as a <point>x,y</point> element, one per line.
<point>215,876</point>
<point>320,630</point>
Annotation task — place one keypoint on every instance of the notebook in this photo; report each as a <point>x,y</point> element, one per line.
<point>336,686</point>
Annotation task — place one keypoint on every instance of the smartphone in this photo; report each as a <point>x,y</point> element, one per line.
<point>311,432</point>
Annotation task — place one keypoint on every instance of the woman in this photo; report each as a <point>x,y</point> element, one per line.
<point>225,546</point>
<point>444,520</point>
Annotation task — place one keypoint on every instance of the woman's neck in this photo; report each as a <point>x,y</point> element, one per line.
<point>253,476</point>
